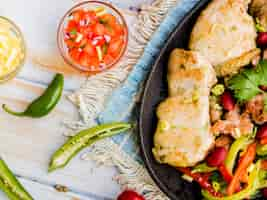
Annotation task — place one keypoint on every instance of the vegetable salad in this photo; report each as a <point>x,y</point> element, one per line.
<point>236,168</point>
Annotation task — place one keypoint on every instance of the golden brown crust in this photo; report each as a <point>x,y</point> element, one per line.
<point>183,135</point>
<point>224,31</point>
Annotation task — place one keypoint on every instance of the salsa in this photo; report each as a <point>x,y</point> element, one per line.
<point>95,39</point>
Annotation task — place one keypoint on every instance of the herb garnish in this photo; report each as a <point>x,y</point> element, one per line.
<point>246,85</point>
<point>73,32</point>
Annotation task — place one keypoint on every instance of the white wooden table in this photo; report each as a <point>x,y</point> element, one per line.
<point>27,144</point>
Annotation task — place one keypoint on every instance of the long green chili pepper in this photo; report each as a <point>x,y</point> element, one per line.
<point>45,103</point>
<point>238,145</point>
<point>252,187</point>
<point>83,139</point>
<point>10,185</point>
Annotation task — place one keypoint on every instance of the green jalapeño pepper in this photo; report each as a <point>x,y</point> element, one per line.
<point>10,185</point>
<point>252,187</point>
<point>45,103</point>
<point>83,139</point>
<point>238,145</point>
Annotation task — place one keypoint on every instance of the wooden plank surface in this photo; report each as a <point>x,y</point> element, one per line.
<point>27,144</point>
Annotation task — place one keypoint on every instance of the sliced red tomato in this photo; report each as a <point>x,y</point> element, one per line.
<point>75,54</point>
<point>99,29</point>
<point>115,46</point>
<point>90,50</point>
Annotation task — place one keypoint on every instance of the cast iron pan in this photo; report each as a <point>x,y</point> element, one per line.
<point>167,178</point>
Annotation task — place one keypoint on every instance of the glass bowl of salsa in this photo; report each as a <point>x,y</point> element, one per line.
<point>12,49</point>
<point>92,36</point>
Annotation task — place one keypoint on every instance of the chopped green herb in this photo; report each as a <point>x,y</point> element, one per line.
<point>73,32</point>
<point>245,85</point>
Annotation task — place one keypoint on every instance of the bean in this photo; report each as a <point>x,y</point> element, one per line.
<point>262,39</point>
<point>228,101</point>
<point>217,157</point>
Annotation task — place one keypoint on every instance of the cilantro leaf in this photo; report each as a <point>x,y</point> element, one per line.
<point>245,85</point>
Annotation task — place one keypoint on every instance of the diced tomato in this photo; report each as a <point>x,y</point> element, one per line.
<point>94,62</point>
<point>119,29</point>
<point>87,31</point>
<point>110,31</point>
<point>98,41</point>
<point>84,59</point>
<point>78,15</point>
<point>82,43</point>
<point>70,43</point>
<point>108,59</point>
<point>75,54</point>
<point>108,19</point>
<point>115,46</point>
<point>99,29</point>
<point>72,25</point>
<point>90,50</point>
<point>90,17</point>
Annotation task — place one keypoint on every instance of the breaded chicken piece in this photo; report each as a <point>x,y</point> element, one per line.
<point>185,70</point>
<point>183,135</point>
<point>224,31</point>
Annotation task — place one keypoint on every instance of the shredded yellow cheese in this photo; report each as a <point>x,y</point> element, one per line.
<point>11,52</point>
